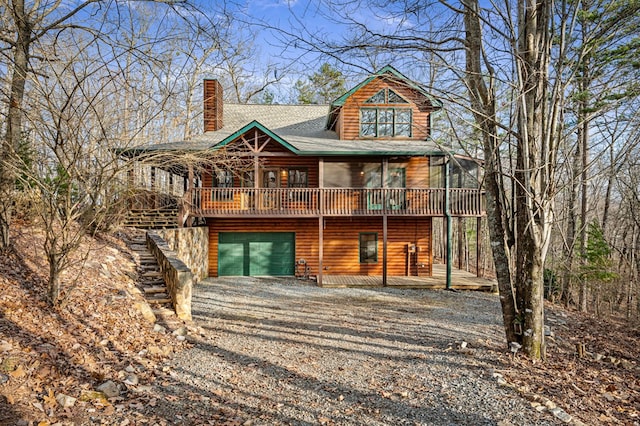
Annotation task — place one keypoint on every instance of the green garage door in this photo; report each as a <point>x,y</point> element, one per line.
<point>256,253</point>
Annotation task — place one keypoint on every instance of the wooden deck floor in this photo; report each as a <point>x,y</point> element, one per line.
<point>460,280</point>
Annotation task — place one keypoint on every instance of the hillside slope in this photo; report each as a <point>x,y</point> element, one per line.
<point>52,362</point>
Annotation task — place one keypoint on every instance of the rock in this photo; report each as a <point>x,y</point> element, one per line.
<point>548,332</point>
<point>561,415</point>
<point>181,338</point>
<point>159,329</point>
<point>65,401</point>
<point>146,311</point>
<point>154,350</point>
<point>463,344</point>
<point>626,364</point>
<point>109,388</point>
<point>131,380</point>
<point>598,357</point>
<point>3,379</point>
<point>130,369</point>
<point>104,342</point>
<point>550,404</point>
<point>182,331</point>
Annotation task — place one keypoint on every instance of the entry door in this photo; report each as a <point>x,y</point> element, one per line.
<point>397,179</point>
<point>270,180</point>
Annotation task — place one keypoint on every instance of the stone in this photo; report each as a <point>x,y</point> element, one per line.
<point>561,415</point>
<point>131,380</point>
<point>182,331</point>
<point>146,311</point>
<point>65,401</point>
<point>626,364</point>
<point>159,329</point>
<point>5,346</point>
<point>130,369</point>
<point>109,388</point>
<point>550,404</point>
<point>3,378</point>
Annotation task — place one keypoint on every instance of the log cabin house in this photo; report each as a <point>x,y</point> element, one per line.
<point>350,188</point>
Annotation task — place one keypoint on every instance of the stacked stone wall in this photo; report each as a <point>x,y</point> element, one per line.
<point>191,246</point>
<point>177,276</point>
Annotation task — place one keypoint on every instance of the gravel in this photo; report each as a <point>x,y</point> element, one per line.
<point>285,352</point>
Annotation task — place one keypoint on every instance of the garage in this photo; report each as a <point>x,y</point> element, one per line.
<point>256,253</point>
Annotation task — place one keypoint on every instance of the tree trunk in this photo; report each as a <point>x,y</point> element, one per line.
<point>54,280</point>
<point>483,106</point>
<point>14,119</point>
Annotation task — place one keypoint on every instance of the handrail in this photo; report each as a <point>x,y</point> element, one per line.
<point>205,202</point>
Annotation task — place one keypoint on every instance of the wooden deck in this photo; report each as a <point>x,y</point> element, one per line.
<point>460,280</point>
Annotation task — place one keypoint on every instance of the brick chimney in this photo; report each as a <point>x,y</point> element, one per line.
<point>212,105</point>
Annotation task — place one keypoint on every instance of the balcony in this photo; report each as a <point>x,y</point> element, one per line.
<point>314,202</point>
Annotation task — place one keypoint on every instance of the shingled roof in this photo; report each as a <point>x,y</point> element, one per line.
<point>301,128</point>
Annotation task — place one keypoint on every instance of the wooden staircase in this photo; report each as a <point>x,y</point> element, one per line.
<point>166,217</point>
<point>149,276</point>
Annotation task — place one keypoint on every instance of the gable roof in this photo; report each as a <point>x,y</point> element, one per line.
<point>388,69</point>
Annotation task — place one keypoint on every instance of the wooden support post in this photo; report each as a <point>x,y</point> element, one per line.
<point>320,248</point>
<point>384,250</point>
<point>479,273</point>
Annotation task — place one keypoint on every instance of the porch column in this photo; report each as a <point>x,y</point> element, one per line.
<point>447,214</point>
<point>320,248</point>
<point>384,249</point>
<point>320,220</point>
<point>478,246</point>
<point>385,204</point>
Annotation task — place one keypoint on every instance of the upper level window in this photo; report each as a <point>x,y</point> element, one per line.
<point>385,122</point>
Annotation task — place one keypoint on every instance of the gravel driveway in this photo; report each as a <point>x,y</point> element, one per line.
<point>278,352</point>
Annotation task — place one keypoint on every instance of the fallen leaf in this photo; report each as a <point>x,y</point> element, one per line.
<point>18,372</point>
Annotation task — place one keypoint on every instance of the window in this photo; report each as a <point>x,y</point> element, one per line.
<point>368,247</point>
<point>386,96</point>
<point>298,178</point>
<point>385,122</point>
<point>222,179</point>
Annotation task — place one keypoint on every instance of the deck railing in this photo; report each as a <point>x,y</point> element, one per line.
<point>211,202</point>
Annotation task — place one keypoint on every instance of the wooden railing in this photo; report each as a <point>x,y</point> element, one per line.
<point>277,202</point>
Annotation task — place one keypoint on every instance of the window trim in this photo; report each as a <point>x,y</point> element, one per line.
<point>367,260</point>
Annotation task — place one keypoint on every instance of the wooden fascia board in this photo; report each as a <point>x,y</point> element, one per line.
<point>255,125</point>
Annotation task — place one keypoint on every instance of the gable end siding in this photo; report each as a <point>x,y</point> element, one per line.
<point>349,118</point>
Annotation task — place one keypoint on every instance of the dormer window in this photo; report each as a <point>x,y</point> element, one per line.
<point>385,121</point>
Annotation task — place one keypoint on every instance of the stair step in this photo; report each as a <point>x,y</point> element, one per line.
<point>163,312</point>
<point>151,274</point>
<point>154,289</point>
<point>159,300</point>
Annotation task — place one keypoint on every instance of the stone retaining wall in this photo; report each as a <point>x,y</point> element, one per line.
<point>177,275</point>
<point>191,246</point>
